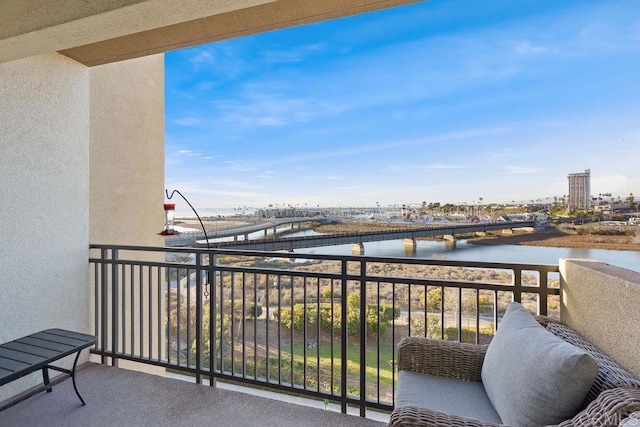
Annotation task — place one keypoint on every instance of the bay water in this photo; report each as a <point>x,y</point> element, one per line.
<point>464,251</point>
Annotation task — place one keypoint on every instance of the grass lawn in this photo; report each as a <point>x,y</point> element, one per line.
<point>384,355</point>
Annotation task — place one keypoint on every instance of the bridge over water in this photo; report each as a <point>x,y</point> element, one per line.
<point>189,238</point>
<point>358,238</point>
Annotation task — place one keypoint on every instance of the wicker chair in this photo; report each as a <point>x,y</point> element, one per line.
<point>614,396</point>
<point>442,358</point>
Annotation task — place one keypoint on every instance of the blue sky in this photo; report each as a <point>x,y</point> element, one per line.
<point>442,101</point>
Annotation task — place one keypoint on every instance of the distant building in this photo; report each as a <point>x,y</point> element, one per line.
<point>610,208</point>
<point>287,213</point>
<point>580,190</point>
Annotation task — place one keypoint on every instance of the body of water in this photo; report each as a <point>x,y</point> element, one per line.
<point>464,251</point>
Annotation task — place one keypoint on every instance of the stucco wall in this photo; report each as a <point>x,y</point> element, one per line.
<point>44,203</point>
<point>127,152</point>
<point>127,165</point>
<point>600,302</point>
<point>81,160</point>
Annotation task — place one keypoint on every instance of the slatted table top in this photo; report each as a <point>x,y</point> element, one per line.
<point>33,352</point>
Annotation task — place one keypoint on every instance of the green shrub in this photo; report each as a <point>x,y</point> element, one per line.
<point>254,310</point>
<point>433,300</point>
<point>326,292</point>
<point>433,329</point>
<point>286,318</point>
<point>330,316</point>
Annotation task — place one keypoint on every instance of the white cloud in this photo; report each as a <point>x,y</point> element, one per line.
<point>321,178</point>
<point>292,54</point>
<point>205,85</point>
<point>523,170</point>
<point>281,56</point>
<point>264,108</point>
<point>424,168</point>
<point>189,153</point>
<point>187,121</point>
<point>467,134</point>
<point>202,57</point>
<point>529,48</point>
<point>270,121</point>
<point>224,60</point>
<point>615,184</point>
<point>267,175</point>
<point>240,165</point>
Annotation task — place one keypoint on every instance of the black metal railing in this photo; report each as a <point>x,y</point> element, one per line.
<point>316,325</point>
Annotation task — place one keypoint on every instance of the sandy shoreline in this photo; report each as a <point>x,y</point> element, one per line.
<point>558,239</point>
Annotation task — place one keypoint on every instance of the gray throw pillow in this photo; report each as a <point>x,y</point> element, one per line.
<point>610,373</point>
<point>532,377</point>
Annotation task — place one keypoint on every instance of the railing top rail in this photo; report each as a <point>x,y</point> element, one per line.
<point>346,258</point>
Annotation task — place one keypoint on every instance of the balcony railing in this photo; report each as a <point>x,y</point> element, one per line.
<point>315,325</point>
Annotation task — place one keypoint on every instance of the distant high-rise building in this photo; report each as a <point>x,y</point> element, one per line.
<point>580,190</point>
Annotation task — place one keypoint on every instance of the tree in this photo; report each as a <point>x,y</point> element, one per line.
<point>377,317</point>
<point>289,318</point>
<point>223,328</point>
<point>231,315</point>
<point>448,208</point>
<point>254,310</point>
<point>432,299</point>
<point>326,291</point>
<point>182,323</point>
<point>431,330</point>
<point>631,201</point>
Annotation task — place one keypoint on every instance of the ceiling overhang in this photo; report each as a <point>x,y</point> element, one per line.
<point>34,27</point>
<point>259,18</point>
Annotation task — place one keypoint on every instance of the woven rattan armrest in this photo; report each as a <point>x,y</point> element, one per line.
<point>443,358</point>
<point>545,320</point>
<point>609,408</point>
<point>412,416</point>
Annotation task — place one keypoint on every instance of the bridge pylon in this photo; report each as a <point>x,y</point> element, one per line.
<point>357,248</point>
<point>409,244</point>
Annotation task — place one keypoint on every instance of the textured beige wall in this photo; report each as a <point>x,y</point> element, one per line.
<point>70,178</point>
<point>600,302</point>
<point>127,152</point>
<point>44,204</point>
<point>127,167</point>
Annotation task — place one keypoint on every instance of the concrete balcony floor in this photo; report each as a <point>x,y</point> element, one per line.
<point>118,397</point>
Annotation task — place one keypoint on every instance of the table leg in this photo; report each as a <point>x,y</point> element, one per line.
<point>73,378</point>
<point>45,378</point>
